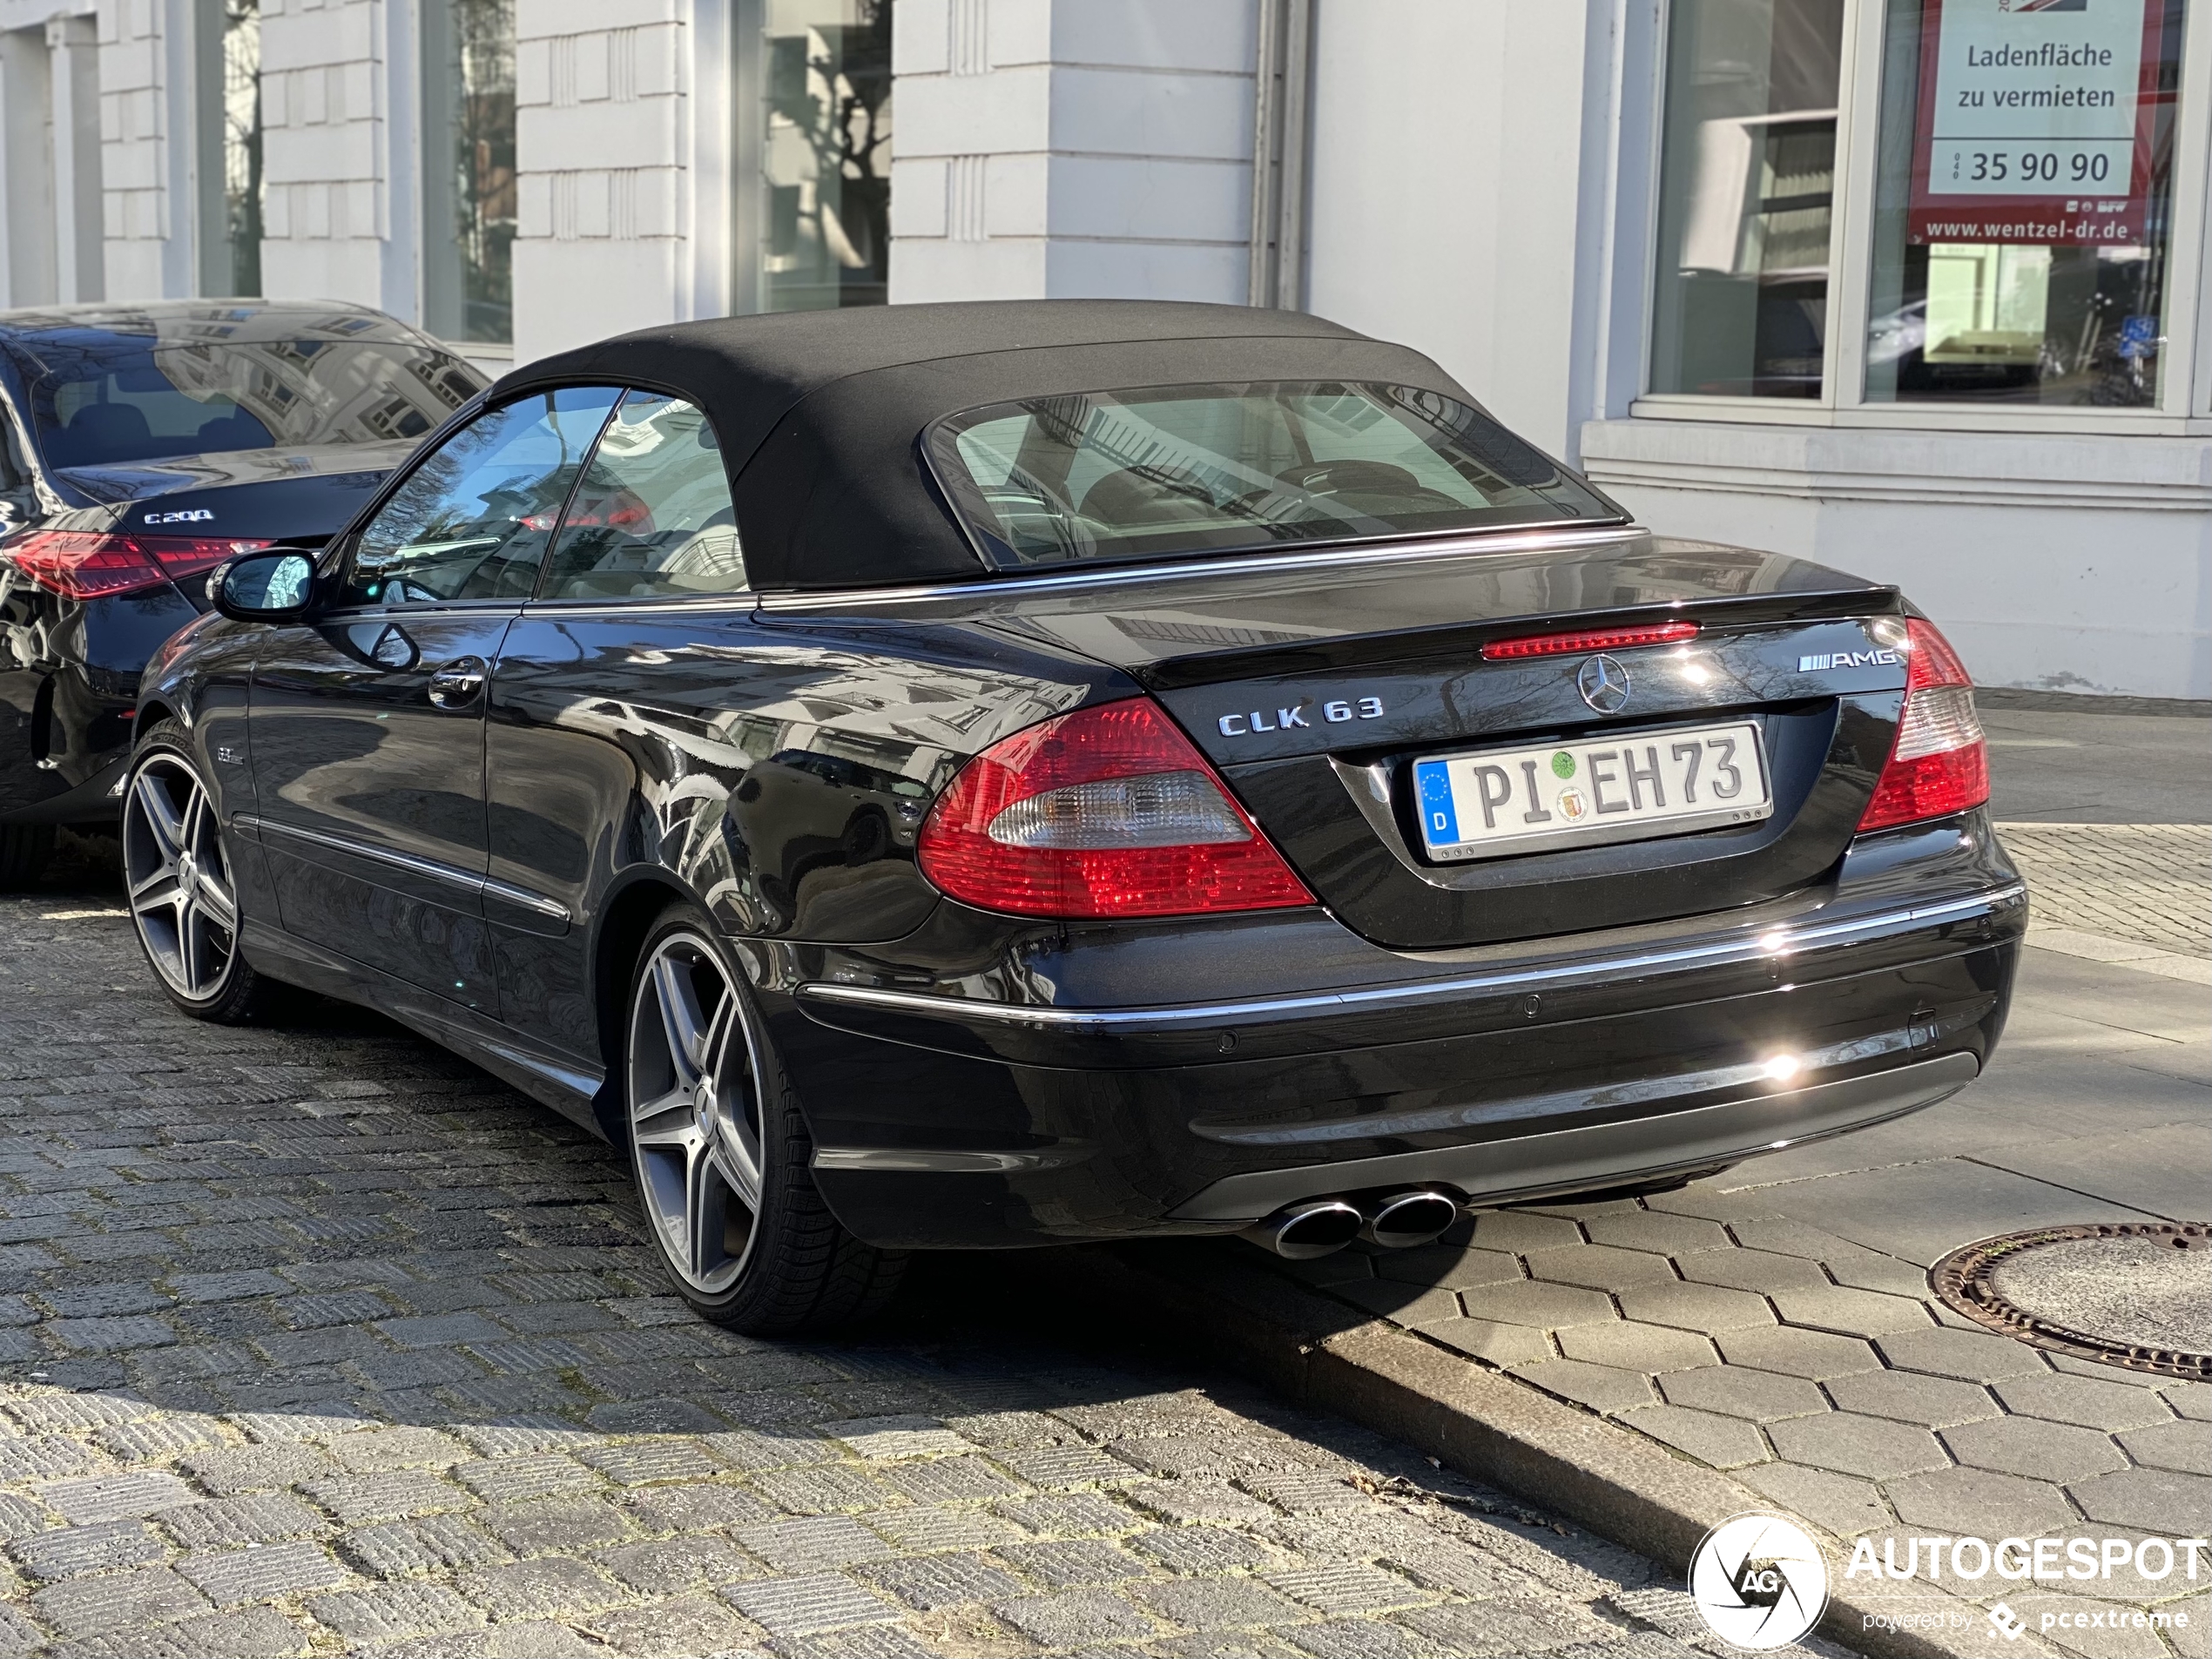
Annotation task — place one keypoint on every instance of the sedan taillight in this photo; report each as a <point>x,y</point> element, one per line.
<point>92,565</point>
<point>1939,764</point>
<point>1108,812</point>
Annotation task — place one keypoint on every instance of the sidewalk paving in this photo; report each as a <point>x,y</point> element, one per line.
<point>1776,1322</point>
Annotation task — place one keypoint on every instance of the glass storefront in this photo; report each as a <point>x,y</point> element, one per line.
<point>1747,190</point>
<point>468,169</point>
<point>2008,208</point>
<point>229,45</point>
<point>2024,203</point>
<point>814,116</point>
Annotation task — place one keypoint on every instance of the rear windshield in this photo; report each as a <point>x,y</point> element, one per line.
<point>1171,469</point>
<point>141,402</point>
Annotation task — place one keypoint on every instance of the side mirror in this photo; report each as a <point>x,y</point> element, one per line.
<point>274,585</point>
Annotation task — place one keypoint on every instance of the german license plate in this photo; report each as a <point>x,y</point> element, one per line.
<point>1609,787</point>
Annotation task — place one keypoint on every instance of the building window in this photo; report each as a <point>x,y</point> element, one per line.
<point>2006,212</point>
<point>814,127</point>
<point>2024,204</point>
<point>1746,197</point>
<point>229,44</point>
<point>468,169</point>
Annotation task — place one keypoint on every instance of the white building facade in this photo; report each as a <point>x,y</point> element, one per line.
<point>1732,257</point>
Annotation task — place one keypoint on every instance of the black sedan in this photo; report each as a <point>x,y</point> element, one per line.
<point>141,446</point>
<point>983,775</point>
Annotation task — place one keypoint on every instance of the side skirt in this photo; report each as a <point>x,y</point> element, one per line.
<point>555,1081</point>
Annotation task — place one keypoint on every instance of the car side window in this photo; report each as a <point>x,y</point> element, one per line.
<point>473,519</point>
<point>652,517</point>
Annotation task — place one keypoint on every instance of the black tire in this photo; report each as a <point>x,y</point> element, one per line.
<point>24,851</point>
<point>177,884</point>
<point>719,1136</point>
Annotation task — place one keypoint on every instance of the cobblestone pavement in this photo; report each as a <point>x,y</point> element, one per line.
<point>318,1340</point>
<point>2150,883</point>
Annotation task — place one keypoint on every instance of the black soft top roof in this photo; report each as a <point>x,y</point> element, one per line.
<point>819,412</point>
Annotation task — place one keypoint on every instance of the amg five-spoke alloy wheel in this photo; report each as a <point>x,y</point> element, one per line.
<point>695,1114</point>
<point>177,874</point>
<point>721,1152</point>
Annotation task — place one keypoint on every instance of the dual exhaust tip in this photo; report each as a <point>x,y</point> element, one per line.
<point>1315,1227</point>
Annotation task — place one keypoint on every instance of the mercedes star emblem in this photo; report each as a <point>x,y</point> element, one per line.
<point>1603,683</point>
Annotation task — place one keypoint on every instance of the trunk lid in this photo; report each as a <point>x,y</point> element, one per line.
<point>259,495</point>
<point>1317,688</point>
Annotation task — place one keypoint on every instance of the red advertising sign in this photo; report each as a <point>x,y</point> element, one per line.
<point>2035,121</point>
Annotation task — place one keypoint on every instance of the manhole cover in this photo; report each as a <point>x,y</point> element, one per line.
<point>2137,1295</point>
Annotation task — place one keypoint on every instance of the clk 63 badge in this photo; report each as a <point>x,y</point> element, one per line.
<point>1335,712</point>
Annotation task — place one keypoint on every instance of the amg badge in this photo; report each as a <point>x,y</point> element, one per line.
<point>1848,659</point>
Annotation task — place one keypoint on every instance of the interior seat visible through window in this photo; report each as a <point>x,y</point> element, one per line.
<point>652,516</point>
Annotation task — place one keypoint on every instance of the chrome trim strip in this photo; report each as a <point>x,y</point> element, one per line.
<point>467,880</point>
<point>738,600</point>
<point>934,1160</point>
<point>1774,941</point>
<point>583,1084</point>
<point>450,874</point>
<point>524,898</point>
<point>1516,539</point>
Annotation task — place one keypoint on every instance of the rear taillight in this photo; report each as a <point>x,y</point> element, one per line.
<point>1107,811</point>
<point>1939,764</point>
<point>91,564</point>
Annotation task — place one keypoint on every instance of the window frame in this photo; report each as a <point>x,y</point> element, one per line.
<point>2184,407</point>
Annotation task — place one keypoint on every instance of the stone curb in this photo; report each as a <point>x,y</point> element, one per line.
<point>1490,1426</point>
<point>2006,697</point>
<point>2123,952</point>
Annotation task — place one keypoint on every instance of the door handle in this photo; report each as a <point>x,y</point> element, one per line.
<point>457,685</point>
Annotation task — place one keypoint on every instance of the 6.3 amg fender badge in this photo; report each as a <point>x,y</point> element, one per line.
<point>1604,684</point>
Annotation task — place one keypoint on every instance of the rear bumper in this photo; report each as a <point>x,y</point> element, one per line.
<point>1744,958</point>
<point>69,687</point>
<point>98,801</point>
<point>949,1120</point>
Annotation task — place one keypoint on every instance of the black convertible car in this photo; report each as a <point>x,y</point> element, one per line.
<point>984,775</point>
<point>141,446</point>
